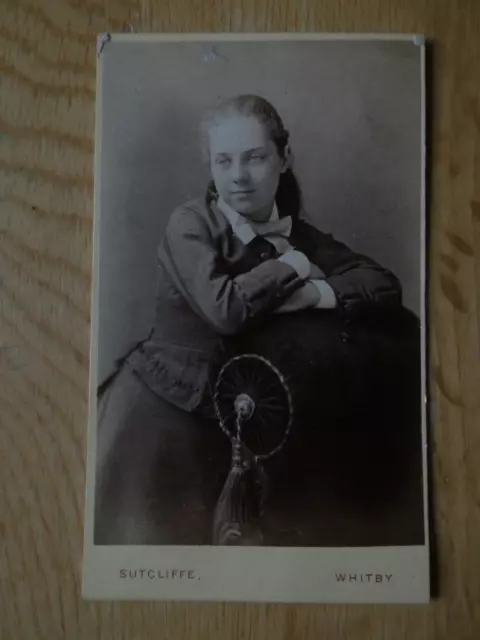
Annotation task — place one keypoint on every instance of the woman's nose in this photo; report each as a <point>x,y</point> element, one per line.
<point>239,172</point>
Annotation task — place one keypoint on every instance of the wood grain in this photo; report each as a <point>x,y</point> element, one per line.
<point>47,64</point>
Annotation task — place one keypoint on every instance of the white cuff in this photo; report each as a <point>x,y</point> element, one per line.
<point>328,299</point>
<point>298,261</point>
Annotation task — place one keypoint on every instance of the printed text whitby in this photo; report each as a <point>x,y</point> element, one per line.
<point>364,577</point>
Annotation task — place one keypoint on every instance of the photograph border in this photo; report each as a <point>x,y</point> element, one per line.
<point>274,574</point>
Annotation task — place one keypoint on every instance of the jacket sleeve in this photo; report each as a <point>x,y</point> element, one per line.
<point>357,281</point>
<point>196,267</point>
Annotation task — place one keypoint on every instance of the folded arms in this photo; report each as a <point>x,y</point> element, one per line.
<point>191,258</point>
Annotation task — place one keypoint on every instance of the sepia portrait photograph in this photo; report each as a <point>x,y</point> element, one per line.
<point>258,321</point>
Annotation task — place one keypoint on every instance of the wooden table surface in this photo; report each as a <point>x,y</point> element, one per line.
<point>47,94</point>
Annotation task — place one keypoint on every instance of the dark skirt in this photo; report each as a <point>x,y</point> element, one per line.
<point>350,472</point>
<point>159,469</point>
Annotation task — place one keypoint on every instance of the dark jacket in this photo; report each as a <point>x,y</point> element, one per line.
<point>210,285</point>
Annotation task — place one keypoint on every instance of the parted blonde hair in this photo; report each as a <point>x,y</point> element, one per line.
<point>247,105</point>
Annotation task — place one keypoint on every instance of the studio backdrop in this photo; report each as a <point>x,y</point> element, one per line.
<point>353,110</point>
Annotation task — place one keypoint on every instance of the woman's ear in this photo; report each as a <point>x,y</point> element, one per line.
<point>287,158</point>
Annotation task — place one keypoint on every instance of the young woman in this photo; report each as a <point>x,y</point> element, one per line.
<point>237,263</point>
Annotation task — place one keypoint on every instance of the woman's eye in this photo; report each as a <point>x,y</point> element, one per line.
<point>223,161</point>
<point>258,157</point>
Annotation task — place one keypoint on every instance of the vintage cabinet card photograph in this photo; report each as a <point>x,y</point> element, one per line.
<point>257,423</point>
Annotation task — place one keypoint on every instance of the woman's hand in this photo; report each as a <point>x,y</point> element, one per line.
<point>298,261</point>
<point>315,272</point>
<point>302,265</point>
<point>307,297</point>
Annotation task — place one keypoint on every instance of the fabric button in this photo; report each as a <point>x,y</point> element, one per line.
<point>264,255</point>
<point>345,337</point>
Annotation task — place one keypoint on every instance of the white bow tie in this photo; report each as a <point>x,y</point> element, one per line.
<point>281,227</point>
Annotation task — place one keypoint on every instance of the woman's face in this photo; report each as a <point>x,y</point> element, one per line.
<point>245,165</point>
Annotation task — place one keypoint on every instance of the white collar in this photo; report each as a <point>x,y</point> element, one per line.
<point>242,228</point>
